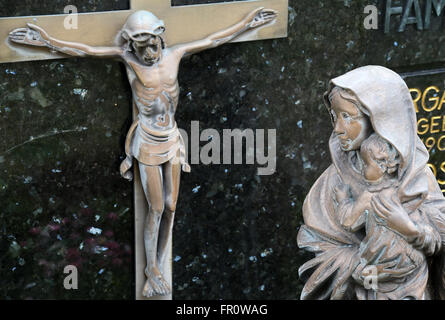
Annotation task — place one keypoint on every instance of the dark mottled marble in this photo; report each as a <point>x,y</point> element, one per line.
<point>63,125</point>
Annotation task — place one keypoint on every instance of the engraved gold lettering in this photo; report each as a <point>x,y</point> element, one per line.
<point>439,144</point>
<point>433,168</point>
<point>417,98</point>
<point>442,169</point>
<point>434,124</point>
<point>422,128</point>
<point>442,101</point>
<point>430,142</point>
<point>434,98</point>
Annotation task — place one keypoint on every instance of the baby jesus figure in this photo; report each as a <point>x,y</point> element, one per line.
<point>385,247</point>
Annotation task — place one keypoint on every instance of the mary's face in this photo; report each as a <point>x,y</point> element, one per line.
<point>351,125</point>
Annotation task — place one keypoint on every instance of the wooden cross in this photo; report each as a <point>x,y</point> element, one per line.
<point>183,24</point>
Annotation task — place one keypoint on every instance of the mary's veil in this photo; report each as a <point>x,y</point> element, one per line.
<point>388,102</point>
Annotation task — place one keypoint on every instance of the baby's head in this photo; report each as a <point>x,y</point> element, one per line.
<point>379,157</point>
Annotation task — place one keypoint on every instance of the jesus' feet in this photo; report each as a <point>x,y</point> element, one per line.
<point>155,285</point>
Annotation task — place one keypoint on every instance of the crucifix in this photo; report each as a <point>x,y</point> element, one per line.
<point>138,37</point>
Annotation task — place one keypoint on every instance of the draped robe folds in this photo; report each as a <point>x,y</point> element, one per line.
<point>386,100</point>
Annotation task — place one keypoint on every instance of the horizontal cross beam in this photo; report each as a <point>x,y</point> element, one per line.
<point>183,24</point>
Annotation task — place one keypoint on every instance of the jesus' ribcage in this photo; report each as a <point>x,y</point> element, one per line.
<point>157,105</point>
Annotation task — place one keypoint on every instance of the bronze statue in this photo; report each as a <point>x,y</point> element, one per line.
<point>377,211</point>
<point>153,139</point>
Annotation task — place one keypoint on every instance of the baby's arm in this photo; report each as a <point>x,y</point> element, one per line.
<point>351,212</point>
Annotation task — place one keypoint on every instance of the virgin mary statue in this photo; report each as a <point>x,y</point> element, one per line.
<point>397,236</point>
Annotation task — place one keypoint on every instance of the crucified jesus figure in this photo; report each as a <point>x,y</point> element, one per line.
<point>153,139</point>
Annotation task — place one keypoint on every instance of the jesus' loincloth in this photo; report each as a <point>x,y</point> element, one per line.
<point>152,148</point>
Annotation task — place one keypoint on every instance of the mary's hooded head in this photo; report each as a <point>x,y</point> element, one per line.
<point>386,100</point>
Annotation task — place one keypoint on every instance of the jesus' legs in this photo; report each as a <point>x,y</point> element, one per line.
<point>151,178</point>
<point>171,174</point>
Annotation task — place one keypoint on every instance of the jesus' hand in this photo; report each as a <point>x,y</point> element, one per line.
<point>261,16</point>
<point>32,35</point>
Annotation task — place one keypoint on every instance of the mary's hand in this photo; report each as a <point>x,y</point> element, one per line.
<point>389,209</point>
<point>32,35</point>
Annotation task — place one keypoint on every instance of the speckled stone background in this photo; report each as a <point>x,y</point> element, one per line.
<point>63,125</point>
